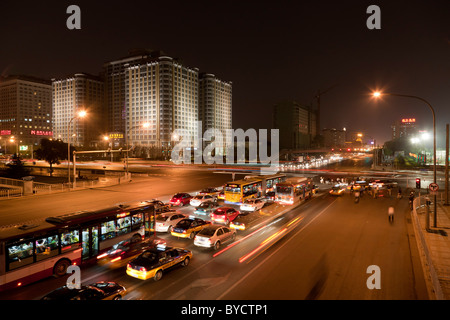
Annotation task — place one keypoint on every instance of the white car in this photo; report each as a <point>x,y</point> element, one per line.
<point>213,236</point>
<point>166,221</point>
<point>252,205</point>
<point>200,198</point>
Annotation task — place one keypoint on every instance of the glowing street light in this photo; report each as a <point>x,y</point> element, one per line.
<point>378,94</point>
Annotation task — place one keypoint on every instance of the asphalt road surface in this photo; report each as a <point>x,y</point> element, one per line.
<point>319,250</point>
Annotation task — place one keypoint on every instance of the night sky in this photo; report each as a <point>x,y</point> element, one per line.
<point>271,51</point>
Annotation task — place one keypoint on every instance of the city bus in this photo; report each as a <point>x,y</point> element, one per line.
<point>293,190</point>
<point>237,192</point>
<point>269,181</point>
<point>47,247</point>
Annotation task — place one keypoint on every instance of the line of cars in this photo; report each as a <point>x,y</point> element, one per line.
<point>149,259</point>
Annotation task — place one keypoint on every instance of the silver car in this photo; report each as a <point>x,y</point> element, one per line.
<point>166,221</point>
<point>213,236</point>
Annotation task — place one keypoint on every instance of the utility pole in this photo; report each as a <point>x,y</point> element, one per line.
<point>446,166</point>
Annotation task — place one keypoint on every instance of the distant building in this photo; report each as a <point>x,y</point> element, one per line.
<point>404,127</point>
<point>25,113</point>
<point>334,138</point>
<point>72,95</point>
<point>296,124</point>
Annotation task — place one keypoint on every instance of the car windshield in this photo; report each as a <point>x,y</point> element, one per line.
<point>149,255</point>
<point>207,232</point>
<point>204,205</point>
<point>198,197</point>
<point>185,223</point>
<point>162,217</point>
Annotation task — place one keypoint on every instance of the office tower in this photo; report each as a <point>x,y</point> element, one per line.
<point>404,127</point>
<point>115,91</point>
<point>297,124</point>
<point>80,92</point>
<point>25,113</point>
<point>215,103</point>
<point>162,93</point>
<point>334,137</point>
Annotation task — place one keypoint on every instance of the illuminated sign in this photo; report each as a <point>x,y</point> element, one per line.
<point>23,148</point>
<point>5,132</point>
<point>408,120</point>
<point>116,135</point>
<point>41,133</point>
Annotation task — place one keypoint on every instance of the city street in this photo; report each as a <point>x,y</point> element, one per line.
<point>319,250</point>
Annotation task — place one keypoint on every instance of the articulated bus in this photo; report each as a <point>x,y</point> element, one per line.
<point>269,181</point>
<point>293,190</point>
<point>32,252</point>
<point>254,186</point>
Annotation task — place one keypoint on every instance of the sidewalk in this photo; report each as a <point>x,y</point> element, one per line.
<point>434,246</point>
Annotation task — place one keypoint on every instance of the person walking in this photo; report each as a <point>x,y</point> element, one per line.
<point>391,214</point>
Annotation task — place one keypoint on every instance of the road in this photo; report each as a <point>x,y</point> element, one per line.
<point>319,250</point>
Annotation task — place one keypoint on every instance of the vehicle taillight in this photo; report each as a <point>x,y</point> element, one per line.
<point>116,259</point>
<point>142,269</point>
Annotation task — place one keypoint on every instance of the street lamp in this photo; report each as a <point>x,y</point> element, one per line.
<point>378,94</point>
<point>81,114</point>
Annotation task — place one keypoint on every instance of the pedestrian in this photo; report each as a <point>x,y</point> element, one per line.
<point>391,214</point>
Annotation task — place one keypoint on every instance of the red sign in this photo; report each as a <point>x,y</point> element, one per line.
<point>41,133</point>
<point>5,132</point>
<point>409,120</point>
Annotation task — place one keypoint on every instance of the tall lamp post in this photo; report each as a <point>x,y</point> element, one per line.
<point>81,114</point>
<point>379,94</point>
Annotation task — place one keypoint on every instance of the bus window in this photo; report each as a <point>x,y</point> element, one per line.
<point>136,221</point>
<point>20,254</point>
<point>108,230</point>
<point>123,225</point>
<point>70,240</point>
<point>46,247</point>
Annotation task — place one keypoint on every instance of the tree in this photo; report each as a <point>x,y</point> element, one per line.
<point>52,151</point>
<point>16,169</point>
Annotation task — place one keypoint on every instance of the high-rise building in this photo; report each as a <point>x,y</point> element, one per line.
<point>162,93</point>
<point>115,73</point>
<point>80,92</point>
<point>334,137</point>
<point>215,103</point>
<point>404,127</point>
<point>296,124</point>
<point>25,113</point>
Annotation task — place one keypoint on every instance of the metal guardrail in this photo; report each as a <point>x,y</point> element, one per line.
<point>426,255</point>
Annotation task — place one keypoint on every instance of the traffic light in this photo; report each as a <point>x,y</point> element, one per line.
<point>417,183</point>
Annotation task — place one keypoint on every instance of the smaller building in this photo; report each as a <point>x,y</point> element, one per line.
<point>25,113</point>
<point>404,127</point>
<point>334,138</point>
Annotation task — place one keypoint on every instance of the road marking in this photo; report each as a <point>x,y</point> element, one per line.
<point>262,262</point>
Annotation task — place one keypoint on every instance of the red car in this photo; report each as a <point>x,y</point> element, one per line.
<point>224,215</point>
<point>180,199</point>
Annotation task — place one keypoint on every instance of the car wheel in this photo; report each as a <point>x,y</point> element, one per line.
<point>158,275</point>
<point>170,229</point>
<point>185,262</point>
<point>217,245</point>
<point>227,222</point>
<point>118,297</point>
<point>192,235</point>
<point>233,237</point>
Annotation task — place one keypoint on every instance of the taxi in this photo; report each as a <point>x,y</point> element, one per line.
<point>153,262</point>
<point>188,228</point>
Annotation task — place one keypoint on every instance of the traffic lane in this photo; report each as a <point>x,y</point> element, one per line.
<point>328,259</point>
<point>29,208</point>
<point>211,279</point>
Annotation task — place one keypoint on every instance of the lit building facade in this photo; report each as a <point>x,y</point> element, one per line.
<point>25,113</point>
<point>162,93</point>
<point>80,92</point>
<point>334,138</point>
<point>404,127</point>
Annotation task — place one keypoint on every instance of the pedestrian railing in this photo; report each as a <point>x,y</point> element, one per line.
<point>426,258</point>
